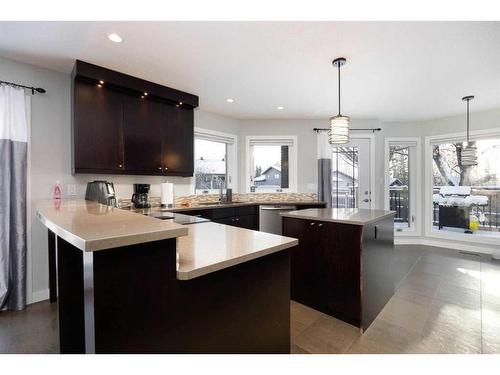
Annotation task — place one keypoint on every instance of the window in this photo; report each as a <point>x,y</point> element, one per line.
<point>271,164</point>
<point>345,170</point>
<point>466,199</point>
<point>215,161</point>
<point>402,179</point>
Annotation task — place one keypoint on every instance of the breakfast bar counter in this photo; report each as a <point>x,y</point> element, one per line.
<point>128,283</point>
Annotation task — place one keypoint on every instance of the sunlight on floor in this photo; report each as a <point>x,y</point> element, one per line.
<point>446,303</point>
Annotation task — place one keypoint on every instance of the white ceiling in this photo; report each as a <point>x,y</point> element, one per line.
<point>395,70</point>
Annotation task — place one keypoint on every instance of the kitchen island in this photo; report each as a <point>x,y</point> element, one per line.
<point>343,265</point>
<point>128,283</point>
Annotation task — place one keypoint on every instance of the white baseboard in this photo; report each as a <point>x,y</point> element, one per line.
<point>453,245</point>
<point>40,295</point>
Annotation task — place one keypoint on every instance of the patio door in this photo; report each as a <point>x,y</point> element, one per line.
<point>351,174</point>
<point>402,176</point>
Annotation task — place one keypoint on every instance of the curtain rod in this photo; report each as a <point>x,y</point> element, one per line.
<point>327,129</point>
<point>33,89</point>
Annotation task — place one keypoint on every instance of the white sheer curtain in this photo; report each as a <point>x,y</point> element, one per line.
<point>324,168</point>
<point>14,120</point>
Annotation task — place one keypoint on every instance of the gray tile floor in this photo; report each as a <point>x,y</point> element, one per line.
<point>445,303</point>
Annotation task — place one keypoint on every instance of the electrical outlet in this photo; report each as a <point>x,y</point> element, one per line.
<point>71,189</point>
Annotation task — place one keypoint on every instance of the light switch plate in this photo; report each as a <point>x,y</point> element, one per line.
<point>71,189</point>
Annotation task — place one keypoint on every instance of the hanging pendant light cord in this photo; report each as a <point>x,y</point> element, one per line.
<point>468,122</point>
<point>338,68</point>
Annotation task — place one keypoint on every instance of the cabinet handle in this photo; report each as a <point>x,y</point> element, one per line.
<point>120,166</point>
<point>159,168</point>
<point>320,224</point>
<point>376,231</point>
<point>166,168</point>
<point>237,219</point>
<point>311,224</point>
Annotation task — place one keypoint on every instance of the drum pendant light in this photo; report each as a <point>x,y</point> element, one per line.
<point>469,152</point>
<point>339,125</point>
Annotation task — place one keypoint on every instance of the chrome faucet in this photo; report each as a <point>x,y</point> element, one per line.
<point>221,194</point>
<point>221,191</point>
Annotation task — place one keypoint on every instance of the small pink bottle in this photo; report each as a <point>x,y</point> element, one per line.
<point>57,190</point>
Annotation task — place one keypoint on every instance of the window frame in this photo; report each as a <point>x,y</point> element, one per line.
<point>231,157</point>
<point>415,171</point>
<point>292,159</point>
<point>428,188</point>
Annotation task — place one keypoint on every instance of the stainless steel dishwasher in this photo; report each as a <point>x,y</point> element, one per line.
<point>270,219</point>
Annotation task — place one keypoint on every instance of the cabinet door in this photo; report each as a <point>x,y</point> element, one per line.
<point>142,127</point>
<point>247,222</point>
<point>339,270</point>
<point>303,284</point>
<point>227,221</point>
<point>97,129</point>
<point>178,141</point>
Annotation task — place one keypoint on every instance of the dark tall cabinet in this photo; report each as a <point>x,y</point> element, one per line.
<point>119,129</point>
<point>97,129</point>
<point>143,122</point>
<point>178,141</point>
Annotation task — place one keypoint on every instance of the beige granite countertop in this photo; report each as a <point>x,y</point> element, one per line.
<point>210,247</point>
<point>91,226</point>
<point>202,248</point>
<point>354,216</point>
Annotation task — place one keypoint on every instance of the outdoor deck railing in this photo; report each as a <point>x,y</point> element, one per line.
<point>398,201</point>
<point>346,198</point>
<point>491,211</point>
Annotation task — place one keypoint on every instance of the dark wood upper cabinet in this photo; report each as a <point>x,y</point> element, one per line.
<point>143,124</point>
<point>119,129</point>
<point>178,141</point>
<point>97,129</point>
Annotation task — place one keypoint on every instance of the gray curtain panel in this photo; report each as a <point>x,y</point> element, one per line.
<point>13,169</point>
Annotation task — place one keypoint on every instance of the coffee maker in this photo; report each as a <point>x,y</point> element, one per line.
<point>140,198</point>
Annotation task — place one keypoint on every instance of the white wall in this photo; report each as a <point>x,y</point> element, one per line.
<point>307,172</point>
<point>50,155</point>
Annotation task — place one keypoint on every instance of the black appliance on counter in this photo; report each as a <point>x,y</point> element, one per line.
<point>102,192</point>
<point>140,198</point>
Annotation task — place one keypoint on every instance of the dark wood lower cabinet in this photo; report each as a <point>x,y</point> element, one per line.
<point>340,269</point>
<point>136,304</point>
<point>240,216</point>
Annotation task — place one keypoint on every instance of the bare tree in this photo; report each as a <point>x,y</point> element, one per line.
<point>449,165</point>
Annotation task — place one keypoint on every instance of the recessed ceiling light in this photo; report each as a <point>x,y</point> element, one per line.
<point>115,38</point>
<point>145,94</point>
<point>180,103</point>
<point>229,100</point>
<point>280,107</point>
<point>101,82</point>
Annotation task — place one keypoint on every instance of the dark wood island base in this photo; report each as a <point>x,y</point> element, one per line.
<point>342,269</point>
<point>128,300</point>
